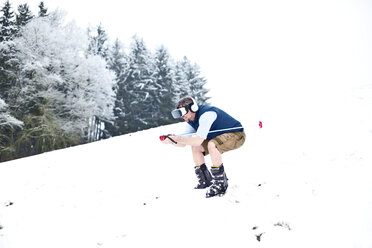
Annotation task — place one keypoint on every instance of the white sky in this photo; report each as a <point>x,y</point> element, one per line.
<point>265,53</point>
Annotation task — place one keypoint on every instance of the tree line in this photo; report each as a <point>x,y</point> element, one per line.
<point>62,86</point>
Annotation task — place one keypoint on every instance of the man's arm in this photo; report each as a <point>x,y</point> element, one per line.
<point>205,123</point>
<point>183,141</point>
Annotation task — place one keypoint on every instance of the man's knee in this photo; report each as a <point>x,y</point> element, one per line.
<point>211,146</point>
<point>197,149</point>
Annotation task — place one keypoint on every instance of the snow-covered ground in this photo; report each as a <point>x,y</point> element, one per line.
<point>300,181</point>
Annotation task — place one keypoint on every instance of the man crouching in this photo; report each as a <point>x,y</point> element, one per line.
<point>215,132</point>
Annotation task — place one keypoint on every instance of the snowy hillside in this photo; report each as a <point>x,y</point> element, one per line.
<point>290,186</point>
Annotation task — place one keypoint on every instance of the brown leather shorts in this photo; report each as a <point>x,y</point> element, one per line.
<point>225,142</point>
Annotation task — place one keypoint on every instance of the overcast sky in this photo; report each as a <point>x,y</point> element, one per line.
<point>279,52</point>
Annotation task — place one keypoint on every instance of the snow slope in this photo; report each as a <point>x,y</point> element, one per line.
<point>298,183</point>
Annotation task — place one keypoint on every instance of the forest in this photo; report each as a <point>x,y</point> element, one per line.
<point>62,85</point>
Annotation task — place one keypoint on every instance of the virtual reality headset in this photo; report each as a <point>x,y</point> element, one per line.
<point>178,113</point>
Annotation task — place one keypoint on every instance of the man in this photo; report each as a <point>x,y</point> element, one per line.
<point>214,132</point>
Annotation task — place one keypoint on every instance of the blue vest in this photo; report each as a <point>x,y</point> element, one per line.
<point>223,121</point>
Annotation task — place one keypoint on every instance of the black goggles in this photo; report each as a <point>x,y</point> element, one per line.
<point>178,113</point>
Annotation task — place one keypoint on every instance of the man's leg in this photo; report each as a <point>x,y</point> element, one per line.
<point>201,170</point>
<point>197,155</point>
<point>220,184</point>
<point>215,154</point>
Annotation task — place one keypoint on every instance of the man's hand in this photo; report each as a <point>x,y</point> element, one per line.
<point>168,139</point>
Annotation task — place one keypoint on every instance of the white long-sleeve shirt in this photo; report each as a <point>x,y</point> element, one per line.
<point>205,122</point>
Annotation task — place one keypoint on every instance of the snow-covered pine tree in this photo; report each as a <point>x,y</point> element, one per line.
<point>182,87</point>
<point>8,70</point>
<point>138,89</point>
<point>24,15</point>
<point>197,82</point>
<point>6,119</point>
<point>8,126</point>
<point>98,42</point>
<point>191,82</point>
<point>118,62</point>
<point>165,82</point>
<point>7,22</point>
<point>8,61</point>
<point>42,10</point>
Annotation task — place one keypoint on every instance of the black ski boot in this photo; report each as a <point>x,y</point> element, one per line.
<point>204,177</point>
<point>220,184</point>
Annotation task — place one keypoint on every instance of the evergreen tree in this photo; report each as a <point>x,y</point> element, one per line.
<point>182,86</point>
<point>138,89</point>
<point>9,70</point>
<point>5,118</point>
<point>98,44</point>
<point>165,84</point>
<point>24,16</point>
<point>118,63</point>
<point>8,126</point>
<point>42,10</point>
<point>117,60</point>
<point>8,62</point>
<point>7,23</point>
<point>191,82</point>
<point>197,83</point>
